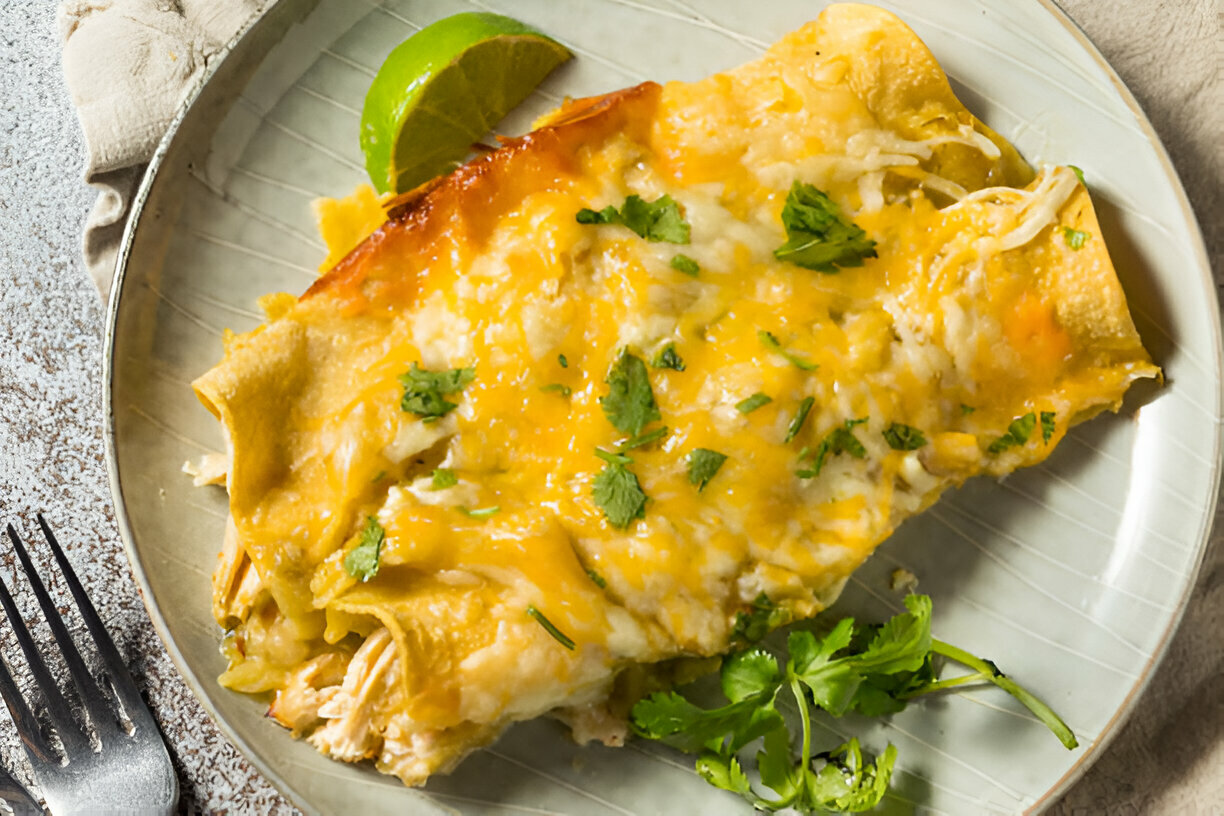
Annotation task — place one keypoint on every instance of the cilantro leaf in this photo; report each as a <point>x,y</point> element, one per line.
<point>556,633</point>
<point>668,358</point>
<point>838,441</point>
<point>444,478</point>
<point>903,437</point>
<point>685,265</point>
<point>818,235</point>
<point>424,390</point>
<point>966,410</point>
<point>362,561</point>
<point>776,765</point>
<point>598,579</point>
<point>672,719</point>
<point>561,361</point>
<point>658,220</point>
<point>750,404</point>
<point>846,784</point>
<point>796,424</point>
<point>618,493</point>
<point>1047,426</point>
<point>770,342</point>
<point>745,674</point>
<point>702,465</point>
<point>1075,238</point>
<point>724,772</point>
<point>902,643</point>
<point>1079,174</point>
<point>1018,433</point>
<point>832,682</point>
<point>630,404</point>
<point>557,388</point>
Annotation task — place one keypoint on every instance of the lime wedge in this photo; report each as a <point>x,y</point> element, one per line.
<point>444,88</point>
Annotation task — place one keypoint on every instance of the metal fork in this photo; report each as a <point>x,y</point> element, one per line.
<point>118,762</point>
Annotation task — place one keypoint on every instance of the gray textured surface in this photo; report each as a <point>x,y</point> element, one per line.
<point>1168,759</point>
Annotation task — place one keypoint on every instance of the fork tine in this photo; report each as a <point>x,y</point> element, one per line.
<point>121,679</point>
<point>15,795</point>
<point>27,725</point>
<point>57,708</point>
<point>103,719</point>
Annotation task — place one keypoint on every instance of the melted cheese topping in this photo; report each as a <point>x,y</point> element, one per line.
<point>975,300</point>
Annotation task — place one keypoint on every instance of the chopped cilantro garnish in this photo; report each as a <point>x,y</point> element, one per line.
<point>750,404</point>
<point>480,513</point>
<point>562,361</point>
<point>1047,426</point>
<point>618,493</point>
<point>702,465</point>
<point>1075,238</point>
<point>796,424</point>
<point>761,619</point>
<point>444,478</point>
<point>424,390</point>
<point>362,561</point>
<point>818,235</point>
<point>597,579</point>
<point>630,404</point>
<point>872,670</point>
<point>836,442</point>
<point>966,410</point>
<point>1079,174</point>
<point>903,437</point>
<point>563,390</point>
<point>1018,433</point>
<point>608,215</point>
<point>668,358</point>
<point>378,477</point>
<point>556,633</point>
<point>685,265</point>
<point>613,458</point>
<point>641,439</point>
<point>658,220</point>
<point>770,342</point>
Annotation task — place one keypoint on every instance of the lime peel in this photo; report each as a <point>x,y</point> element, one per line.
<point>443,89</point>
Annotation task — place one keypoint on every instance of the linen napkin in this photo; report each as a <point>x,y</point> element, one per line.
<point>129,65</point>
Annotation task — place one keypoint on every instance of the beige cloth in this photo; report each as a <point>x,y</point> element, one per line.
<point>129,65</point>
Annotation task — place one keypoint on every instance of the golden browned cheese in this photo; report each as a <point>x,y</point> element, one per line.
<point>992,300</point>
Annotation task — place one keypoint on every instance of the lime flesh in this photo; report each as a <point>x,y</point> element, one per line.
<point>443,89</point>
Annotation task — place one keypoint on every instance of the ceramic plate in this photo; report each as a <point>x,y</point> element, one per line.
<point>1072,574</point>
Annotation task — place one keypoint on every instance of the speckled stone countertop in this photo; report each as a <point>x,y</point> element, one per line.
<point>1169,758</point>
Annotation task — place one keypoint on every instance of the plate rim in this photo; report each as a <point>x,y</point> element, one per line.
<point>196,685</point>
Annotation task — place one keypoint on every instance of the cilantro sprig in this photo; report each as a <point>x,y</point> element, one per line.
<point>819,236</point>
<point>874,670</point>
<point>658,220</point>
